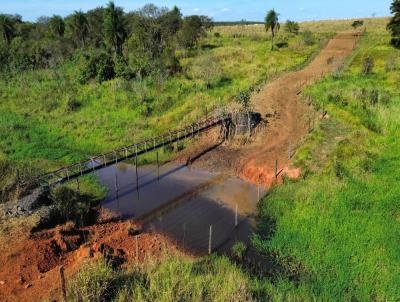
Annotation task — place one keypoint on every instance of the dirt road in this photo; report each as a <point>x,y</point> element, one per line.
<point>288,120</point>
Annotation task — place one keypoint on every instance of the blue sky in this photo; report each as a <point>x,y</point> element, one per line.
<point>222,10</point>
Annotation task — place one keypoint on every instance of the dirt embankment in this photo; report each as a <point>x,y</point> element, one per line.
<point>287,117</point>
<point>29,267</point>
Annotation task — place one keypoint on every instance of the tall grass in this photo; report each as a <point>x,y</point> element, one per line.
<point>168,280</point>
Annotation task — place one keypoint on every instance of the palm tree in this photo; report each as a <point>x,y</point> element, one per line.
<point>7,28</point>
<point>115,27</point>
<point>57,26</point>
<point>79,27</point>
<point>272,23</point>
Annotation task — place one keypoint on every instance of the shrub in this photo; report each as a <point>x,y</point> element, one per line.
<point>292,27</point>
<point>308,38</point>
<point>239,250</point>
<point>368,66</point>
<point>99,66</point>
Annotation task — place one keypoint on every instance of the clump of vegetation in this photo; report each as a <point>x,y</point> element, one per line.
<point>357,23</point>
<point>368,66</point>
<point>292,27</point>
<point>308,37</point>
<point>170,279</point>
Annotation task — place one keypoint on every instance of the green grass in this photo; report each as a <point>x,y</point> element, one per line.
<point>168,280</point>
<point>335,233</point>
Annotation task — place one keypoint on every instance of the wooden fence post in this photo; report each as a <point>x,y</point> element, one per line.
<point>236,216</point>
<point>158,167</point>
<point>210,241</point>
<point>63,288</point>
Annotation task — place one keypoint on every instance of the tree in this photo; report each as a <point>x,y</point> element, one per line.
<point>292,27</point>
<point>79,27</point>
<point>272,23</point>
<point>57,26</point>
<point>193,28</point>
<point>115,27</point>
<point>7,28</point>
<point>95,19</point>
<point>356,24</point>
<point>394,24</point>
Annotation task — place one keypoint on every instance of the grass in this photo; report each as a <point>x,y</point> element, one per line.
<point>170,279</point>
<point>335,232</point>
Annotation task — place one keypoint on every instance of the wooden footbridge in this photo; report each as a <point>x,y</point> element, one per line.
<point>98,162</point>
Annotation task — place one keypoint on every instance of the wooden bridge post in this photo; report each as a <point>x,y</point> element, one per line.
<point>210,241</point>
<point>104,160</point>
<point>236,216</point>
<point>137,176</point>
<point>116,157</point>
<point>63,287</point>
<point>137,248</point>
<point>91,159</point>
<point>158,168</point>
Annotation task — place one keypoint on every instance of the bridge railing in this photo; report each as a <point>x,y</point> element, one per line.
<point>101,161</point>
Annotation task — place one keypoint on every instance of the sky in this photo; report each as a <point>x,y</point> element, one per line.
<point>219,10</point>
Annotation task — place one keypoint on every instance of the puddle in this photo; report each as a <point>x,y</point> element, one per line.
<point>183,203</point>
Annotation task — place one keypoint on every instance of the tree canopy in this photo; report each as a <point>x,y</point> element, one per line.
<point>272,24</point>
<point>103,42</point>
<point>394,24</point>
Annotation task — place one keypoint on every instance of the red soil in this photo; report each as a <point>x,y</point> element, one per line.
<point>287,116</point>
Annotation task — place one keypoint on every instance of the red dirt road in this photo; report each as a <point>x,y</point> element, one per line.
<point>280,99</point>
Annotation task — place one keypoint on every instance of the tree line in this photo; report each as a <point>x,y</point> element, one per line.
<point>105,41</point>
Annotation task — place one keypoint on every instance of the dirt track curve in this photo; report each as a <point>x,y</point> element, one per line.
<point>288,120</point>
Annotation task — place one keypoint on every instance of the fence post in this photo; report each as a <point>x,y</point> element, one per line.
<point>62,280</point>
<point>77,185</point>
<point>137,248</point>
<point>210,241</point>
<point>158,168</point>
<point>236,216</point>
<point>276,169</point>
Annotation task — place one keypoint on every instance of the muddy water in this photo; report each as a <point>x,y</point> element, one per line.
<point>183,203</point>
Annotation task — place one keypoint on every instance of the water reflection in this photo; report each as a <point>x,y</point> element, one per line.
<point>183,203</point>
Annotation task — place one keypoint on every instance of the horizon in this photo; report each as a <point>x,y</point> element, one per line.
<point>222,11</point>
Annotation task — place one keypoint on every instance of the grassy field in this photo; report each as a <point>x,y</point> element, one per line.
<point>335,233</point>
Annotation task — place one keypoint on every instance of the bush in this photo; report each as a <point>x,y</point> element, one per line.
<point>308,38</point>
<point>94,65</point>
<point>292,27</point>
<point>368,66</point>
